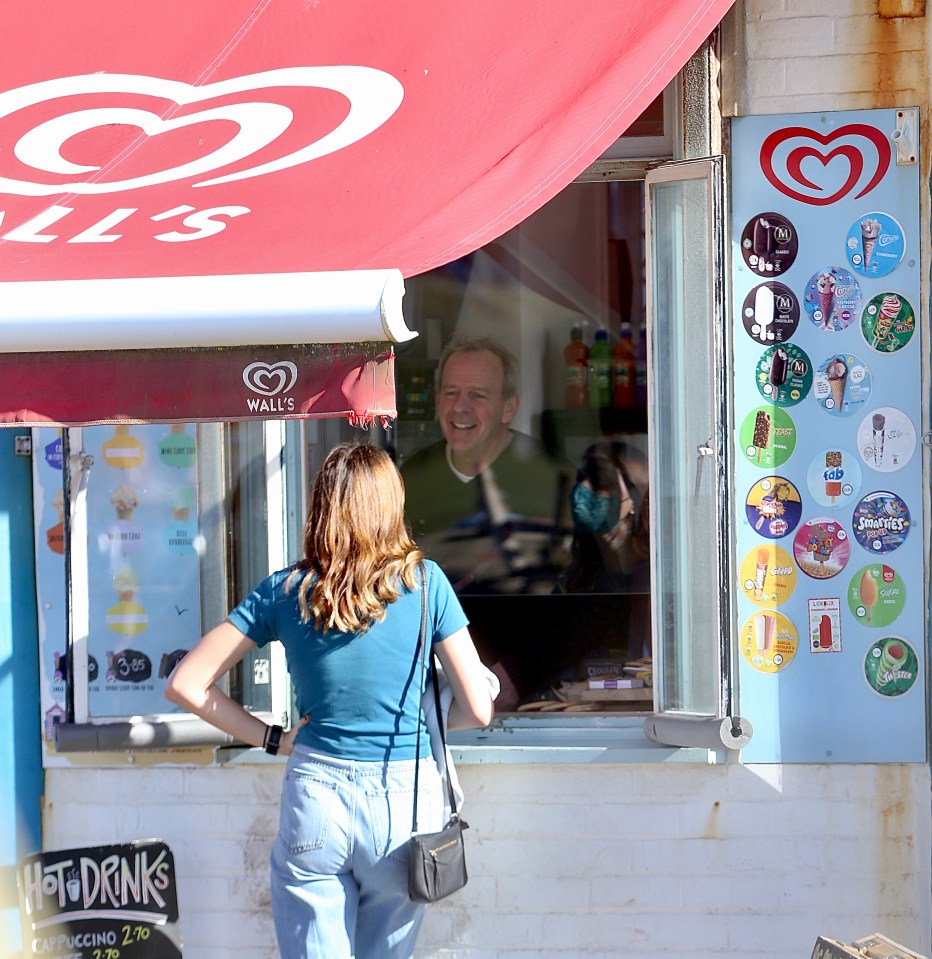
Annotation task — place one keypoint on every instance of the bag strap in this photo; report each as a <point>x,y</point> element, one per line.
<point>421,653</point>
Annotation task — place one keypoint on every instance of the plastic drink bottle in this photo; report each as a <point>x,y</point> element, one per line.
<point>640,370</point>
<point>576,360</point>
<point>623,370</point>
<point>600,371</point>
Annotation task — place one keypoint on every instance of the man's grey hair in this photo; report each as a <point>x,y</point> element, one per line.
<point>464,343</point>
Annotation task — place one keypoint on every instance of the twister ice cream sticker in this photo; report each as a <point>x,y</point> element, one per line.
<point>834,477</point>
<point>876,595</point>
<point>768,575</point>
<point>886,439</point>
<point>769,244</point>
<point>825,625</point>
<point>123,451</point>
<point>881,522</point>
<point>770,313</point>
<point>891,666</point>
<point>821,548</point>
<point>773,507</point>
<point>842,384</point>
<point>784,375</point>
<point>768,436</point>
<point>768,641</point>
<point>875,245</point>
<point>833,299</point>
<point>888,322</point>
<point>178,448</point>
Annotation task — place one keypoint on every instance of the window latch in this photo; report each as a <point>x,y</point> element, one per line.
<point>703,451</point>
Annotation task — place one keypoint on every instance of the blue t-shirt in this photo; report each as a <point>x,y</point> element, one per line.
<point>362,693</point>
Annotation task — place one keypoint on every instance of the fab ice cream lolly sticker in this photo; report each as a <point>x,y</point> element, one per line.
<point>842,384</point>
<point>784,375</point>
<point>876,595</point>
<point>888,322</point>
<point>773,507</point>
<point>886,439</point>
<point>821,548</point>
<point>875,244</point>
<point>834,477</point>
<point>832,299</point>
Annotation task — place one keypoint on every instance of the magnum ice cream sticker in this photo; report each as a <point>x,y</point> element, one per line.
<point>768,436</point>
<point>178,448</point>
<point>881,522</point>
<point>842,384</point>
<point>127,616</point>
<point>886,439</point>
<point>773,507</point>
<point>834,477</point>
<point>821,548</point>
<point>891,666</point>
<point>875,244</point>
<point>832,299</point>
<point>123,451</point>
<point>769,244</point>
<point>768,575</point>
<point>784,375</point>
<point>770,313</point>
<point>768,641</point>
<point>825,624</point>
<point>876,595</point>
<point>888,322</point>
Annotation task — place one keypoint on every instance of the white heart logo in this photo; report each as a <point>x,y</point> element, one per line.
<point>373,97</point>
<point>270,379</point>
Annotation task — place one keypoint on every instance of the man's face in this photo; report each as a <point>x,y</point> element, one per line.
<point>473,413</point>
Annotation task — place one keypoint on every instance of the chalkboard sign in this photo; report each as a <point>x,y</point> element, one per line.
<point>106,902</point>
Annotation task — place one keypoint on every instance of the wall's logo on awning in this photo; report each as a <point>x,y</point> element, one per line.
<point>55,119</point>
<point>270,380</point>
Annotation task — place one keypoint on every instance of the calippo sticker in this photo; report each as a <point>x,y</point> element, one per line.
<point>769,244</point>
<point>891,666</point>
<point>773,507</point>
<point>876,595</point>
<point>768,436</point>
<point>768,575</point>
<point>833,299</point>
<point>834,477</point>
<point>784,375</point>
<point>821,548</point>
<point>875,244</point>
<point>768,641</point>
<point>770,313</point>
<point>881,522</point>
<point>888,322</point>
<point>886,439</point>
<point>825,624</point>
<point>842,384</point>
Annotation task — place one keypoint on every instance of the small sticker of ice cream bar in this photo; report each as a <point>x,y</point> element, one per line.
<point>124,501</point>
<point>762,427</point>
<point>832,486</point>
<point>870,232</point>
<point>889,310</point>
<point>181,501</point>
<point>825,286</point>
<point>837,373</point>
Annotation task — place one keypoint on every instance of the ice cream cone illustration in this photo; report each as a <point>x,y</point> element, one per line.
<point>760,574</point>
<point>870,231</point>
<point>878,424</point>
<point>124,501</point>
<point>837,373</point>
<point>825,284</point>
<point>869,593</point>
<point>763,424</point>
<point>889,310</point>
<point>127,616</point>
<point>181,502</point>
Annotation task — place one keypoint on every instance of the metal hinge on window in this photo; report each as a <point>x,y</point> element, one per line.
<point>22,445</point>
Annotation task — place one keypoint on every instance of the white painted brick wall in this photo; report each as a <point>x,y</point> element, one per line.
<point>656,861</point>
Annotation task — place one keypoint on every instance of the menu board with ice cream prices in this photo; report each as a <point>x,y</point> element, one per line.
<point>142,563</point>
<point>828,498</point>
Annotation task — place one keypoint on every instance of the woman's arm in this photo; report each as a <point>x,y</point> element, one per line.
<point>193,685</point>
<point>472,701</point>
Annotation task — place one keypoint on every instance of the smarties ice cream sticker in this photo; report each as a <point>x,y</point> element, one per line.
<point>770,313</point>
<point>784,375</point>
<point>891,666</point>
<point>888,322</point>
<point>769,244</point>
<point>768,575</point>
<point>768,641</point>
<point>881,522</point>
<point>842,384</point>
<point>876,595</point>
<point>833,299</point>
<point>768,436</point>
<point>821,548</point>
<point>886,439</point>
<point>773,507</point>
<point>834,477</point>
<point>875,245</point>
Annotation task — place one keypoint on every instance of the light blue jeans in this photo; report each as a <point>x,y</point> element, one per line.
<point>339,862</point>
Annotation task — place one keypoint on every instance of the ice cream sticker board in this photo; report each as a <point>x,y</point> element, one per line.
<point>828,483</point>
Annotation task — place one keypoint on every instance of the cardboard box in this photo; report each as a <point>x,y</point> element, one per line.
<point>874,946</point>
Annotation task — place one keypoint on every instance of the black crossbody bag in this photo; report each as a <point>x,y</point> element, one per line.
<point>436,860</point>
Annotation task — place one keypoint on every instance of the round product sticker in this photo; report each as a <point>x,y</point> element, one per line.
<point>881,522</point>
<point>842,384</point>
<point>888,322</point>
<point>821,548</point>
<point>769,244</point>
<point>886,439</point>
<point>178,448</point>
<point>891,666</point>
<point>783,375</point>
<point>768,575</point>
<point>768,641</point>
<point>875,245</point>
<point>768,436</point>
<point>833,299</point>
<point>876,595</point>
<point>770,313</point>
<point>834,477</point>
<point>773,507</point>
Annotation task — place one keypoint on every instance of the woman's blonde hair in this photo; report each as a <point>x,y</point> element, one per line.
<point>358,552</point>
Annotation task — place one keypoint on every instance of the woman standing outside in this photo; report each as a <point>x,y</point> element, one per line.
<point>348,616</point>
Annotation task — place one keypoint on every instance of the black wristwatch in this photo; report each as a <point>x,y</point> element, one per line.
<point>273,740</point>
